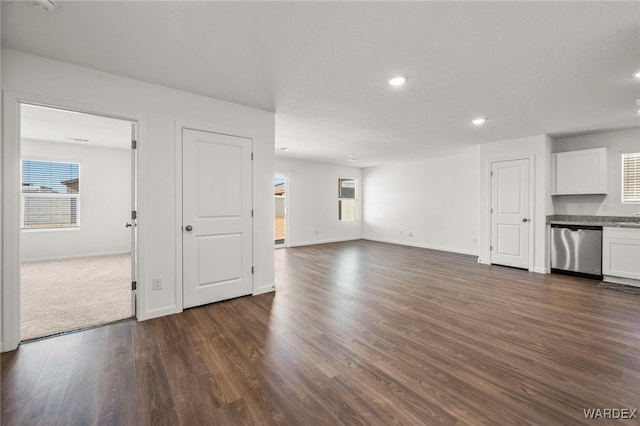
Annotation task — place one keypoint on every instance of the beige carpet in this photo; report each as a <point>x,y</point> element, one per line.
<point>65,295</point>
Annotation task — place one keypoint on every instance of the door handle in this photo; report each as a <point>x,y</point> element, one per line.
<point>524,219</point>
<point>128,225</point>
<point>188,228</point>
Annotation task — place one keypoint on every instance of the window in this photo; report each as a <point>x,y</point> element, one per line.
<point>50,194</point>
<point>347,199</point>
<point>631,178</point>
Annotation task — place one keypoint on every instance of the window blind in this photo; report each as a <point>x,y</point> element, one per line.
<point>631,178</point>
<point>50,194</point>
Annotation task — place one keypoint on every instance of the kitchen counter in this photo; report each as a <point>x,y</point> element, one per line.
<point>611,221</point>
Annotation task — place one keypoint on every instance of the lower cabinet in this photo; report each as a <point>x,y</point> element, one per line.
<point>621,255</point>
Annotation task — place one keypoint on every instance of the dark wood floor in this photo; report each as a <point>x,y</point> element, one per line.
<point>357,333</point>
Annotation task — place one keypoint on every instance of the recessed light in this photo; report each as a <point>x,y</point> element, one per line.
<point>636,75</point>
<point>398,80</point>
<point>78,140</point>
<point>283,148</point>
<point>479,121</point>
<point>351,157</point>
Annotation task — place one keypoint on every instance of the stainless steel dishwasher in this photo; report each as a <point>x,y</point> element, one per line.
<point>577,250</point>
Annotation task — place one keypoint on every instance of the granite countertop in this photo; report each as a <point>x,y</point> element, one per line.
<point>612,221</point>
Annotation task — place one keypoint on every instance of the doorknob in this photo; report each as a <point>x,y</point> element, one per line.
<point>188,228</point>
<point>128,225</point>
<point>524,219</point>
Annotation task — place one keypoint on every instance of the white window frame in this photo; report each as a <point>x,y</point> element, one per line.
<point>622,175</point>
<point>54,195</point>
<point>355,199</point>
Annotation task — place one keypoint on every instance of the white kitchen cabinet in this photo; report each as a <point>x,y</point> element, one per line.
<point>621,255</point>
<point>579,172</point>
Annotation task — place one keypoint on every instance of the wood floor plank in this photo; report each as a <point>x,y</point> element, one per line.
<point>358,333</point>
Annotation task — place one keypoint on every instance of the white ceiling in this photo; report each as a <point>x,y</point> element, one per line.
<point>530,67</point>
<point>55,125</point>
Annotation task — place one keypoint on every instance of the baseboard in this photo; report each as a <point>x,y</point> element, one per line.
<point>79,256</point>
<point>420,245</point>
<point>483,261</point>
<point>312,243</point>
<point>620,280</point>
<point>540,270</point>
<point>159,312</point>
<point>263,290</point>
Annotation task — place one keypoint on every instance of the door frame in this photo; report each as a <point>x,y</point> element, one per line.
<point>179,127</point>
<point>287,191</point>
<point>10,171</point>
<point>531,215</point>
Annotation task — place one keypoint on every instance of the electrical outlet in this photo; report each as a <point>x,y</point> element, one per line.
<point>157,283</point>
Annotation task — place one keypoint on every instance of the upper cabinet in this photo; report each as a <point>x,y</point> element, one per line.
<point>579,172</point>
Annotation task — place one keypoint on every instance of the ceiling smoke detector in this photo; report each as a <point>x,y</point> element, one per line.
<point>47,5</point>
<point>351,157</point>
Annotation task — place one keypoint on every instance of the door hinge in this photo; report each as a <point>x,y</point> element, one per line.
<point>251,212</point>
<point>252,269</point>
<point>134,144</point>
<point>490,248</point>
<point>134,285</point>
<point>490,210</point>
<point>491,173</point>
<point>134,214</point>
<point>252,155</point>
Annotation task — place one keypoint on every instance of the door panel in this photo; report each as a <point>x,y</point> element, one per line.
<point>217,223</point>
<point>510,213</point>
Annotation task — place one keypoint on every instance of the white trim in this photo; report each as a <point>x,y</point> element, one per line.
<point>425,246</point>
<point>531,216</point>
<point>11,221</point>
<point>541,270</point>
<point>178,225</point>
<point>621,280</point>
<point>11,204</point>
<point>332,240</point>
<point>263,290</point>
<point>161,312</point>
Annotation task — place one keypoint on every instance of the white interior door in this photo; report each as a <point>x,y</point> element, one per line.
<point>217,217</point>
<point>510,219</point>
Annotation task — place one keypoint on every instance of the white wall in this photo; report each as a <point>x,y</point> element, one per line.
<point>617,142</point>
<point>313,202</point>
<point>160,111</point>
<point>105,203</point>
<point>1,209</point>
<point>430,203</point>
<point>538,148</point>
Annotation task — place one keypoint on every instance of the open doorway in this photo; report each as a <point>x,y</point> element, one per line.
<point>280,201</point>
<point>77,227</point>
